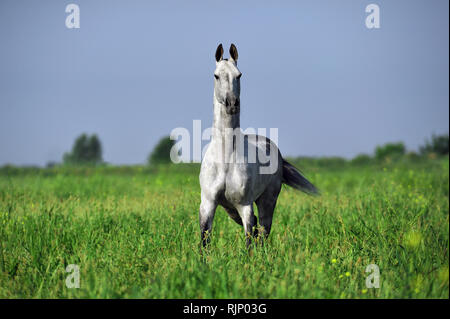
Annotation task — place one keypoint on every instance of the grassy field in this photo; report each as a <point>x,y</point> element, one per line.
<point>134,233</point>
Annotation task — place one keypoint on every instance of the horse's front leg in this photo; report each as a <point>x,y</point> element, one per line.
<point>249,222</point>
<point>206,217</point>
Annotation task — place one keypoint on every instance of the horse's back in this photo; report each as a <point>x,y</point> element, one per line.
<point>267,153</point>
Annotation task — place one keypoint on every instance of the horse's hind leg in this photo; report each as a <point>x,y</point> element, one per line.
<point>266,206</point>
<point>233,213</point>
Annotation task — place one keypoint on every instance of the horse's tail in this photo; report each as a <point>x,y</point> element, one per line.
<point>293,178</point>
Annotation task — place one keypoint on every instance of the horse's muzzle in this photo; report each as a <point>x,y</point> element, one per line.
<point>233,105</point>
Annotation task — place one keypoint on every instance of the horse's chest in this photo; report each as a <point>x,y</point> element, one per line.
<point>237,186</point>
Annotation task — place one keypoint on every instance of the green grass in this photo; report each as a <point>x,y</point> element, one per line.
<point>134,233</point>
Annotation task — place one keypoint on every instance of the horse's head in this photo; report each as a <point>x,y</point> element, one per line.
<point>227,83</point>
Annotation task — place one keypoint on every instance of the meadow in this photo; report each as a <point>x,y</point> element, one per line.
<point>134,233</point>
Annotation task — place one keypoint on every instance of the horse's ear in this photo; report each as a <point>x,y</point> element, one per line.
<point>233,52</point>
<point>219,53</point>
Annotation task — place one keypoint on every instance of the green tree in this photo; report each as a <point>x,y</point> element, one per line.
<point>161,152</point>
<point>439,144</point>
<point>85,150</point>
<point>390,151</point>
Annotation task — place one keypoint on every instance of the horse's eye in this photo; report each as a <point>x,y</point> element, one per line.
<point>239,76</point>
<point>216,76</point>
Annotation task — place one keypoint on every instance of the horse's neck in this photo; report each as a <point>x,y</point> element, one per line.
<point>224,123</point>
<point>225,128</point>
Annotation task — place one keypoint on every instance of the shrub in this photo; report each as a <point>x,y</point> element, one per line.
<point>413,156</point>
<point>390,151</point>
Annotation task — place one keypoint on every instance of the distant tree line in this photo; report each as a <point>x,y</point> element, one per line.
<point>438,145</point>
<point>87,150</point>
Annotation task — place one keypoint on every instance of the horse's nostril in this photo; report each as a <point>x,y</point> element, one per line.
<point>231,101</point>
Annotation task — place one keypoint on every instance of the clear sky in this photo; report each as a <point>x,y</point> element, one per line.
<point>137,69</point>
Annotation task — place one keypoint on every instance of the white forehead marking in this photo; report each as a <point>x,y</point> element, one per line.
<point>227,66</point>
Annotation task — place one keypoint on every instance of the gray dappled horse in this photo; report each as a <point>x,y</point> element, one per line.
<point>231,175</point>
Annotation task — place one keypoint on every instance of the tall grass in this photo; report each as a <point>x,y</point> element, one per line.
<point>134,233</point>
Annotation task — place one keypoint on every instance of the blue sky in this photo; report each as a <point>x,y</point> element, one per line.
<point>137,69</point>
